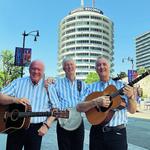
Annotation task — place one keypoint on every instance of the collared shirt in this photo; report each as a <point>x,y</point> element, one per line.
<point>36,94</point>
<point>68,93</point>
<point>120,116</point>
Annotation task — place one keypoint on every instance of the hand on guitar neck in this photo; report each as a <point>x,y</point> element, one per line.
<point>129,91</point>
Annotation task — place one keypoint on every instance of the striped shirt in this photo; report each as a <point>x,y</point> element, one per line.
<point>36,94</point>
<point>68,93</point>
<point>120,116</point>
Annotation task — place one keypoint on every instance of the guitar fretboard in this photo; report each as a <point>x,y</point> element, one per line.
<point>131,84</point>
<point>33,114</point>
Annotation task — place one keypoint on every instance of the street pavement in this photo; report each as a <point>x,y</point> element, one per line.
<point>50,141</point>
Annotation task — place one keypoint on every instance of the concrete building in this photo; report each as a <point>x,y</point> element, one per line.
<point>84,34</point>
<point>143,50</point>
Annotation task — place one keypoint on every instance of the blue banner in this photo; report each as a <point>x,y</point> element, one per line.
<point>132,74</point>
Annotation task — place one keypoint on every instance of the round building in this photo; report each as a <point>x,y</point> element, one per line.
<point>84,35</point>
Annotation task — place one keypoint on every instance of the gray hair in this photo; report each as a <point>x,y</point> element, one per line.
<point>100,57</point>
<point>67,59</point>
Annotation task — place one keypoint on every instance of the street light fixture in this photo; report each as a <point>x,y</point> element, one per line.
<point>129,59</point>
<point>31,33</point>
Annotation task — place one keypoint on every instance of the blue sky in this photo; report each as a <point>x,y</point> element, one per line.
<point>131,18</point>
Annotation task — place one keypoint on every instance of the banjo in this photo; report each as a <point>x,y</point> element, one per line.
<point>73,122</point>
<point>75,118</point>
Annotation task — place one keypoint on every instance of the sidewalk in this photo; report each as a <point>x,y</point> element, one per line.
<point>142,114</point>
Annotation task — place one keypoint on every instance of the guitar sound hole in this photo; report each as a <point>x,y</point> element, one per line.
<point>14,115</point>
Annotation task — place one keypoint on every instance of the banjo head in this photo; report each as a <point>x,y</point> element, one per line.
<point>73,122</point>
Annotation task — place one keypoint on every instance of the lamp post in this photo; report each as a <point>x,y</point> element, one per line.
<point>129,59</point>
<point>32,33</point>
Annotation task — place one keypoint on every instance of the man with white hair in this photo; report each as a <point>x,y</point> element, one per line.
<point>112,135</point>
<point>32,87</point>
<point>69,91</point>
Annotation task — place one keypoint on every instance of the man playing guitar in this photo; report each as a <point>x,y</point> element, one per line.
<point>112,134</point>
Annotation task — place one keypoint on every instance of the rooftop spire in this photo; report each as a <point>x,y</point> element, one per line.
<point>93,3</point>
<point>82,3</point>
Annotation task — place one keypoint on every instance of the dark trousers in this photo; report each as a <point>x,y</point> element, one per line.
<point>28,138</point>
<point>112,140</point>
<point>70,140</point>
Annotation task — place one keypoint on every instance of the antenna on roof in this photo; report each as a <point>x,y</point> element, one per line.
<point>82,3</point>
<point>93,3</point>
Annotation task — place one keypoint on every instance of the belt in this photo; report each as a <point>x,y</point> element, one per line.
<point>116,128</point>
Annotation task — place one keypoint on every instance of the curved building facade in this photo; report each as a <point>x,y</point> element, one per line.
<point>84,35</point>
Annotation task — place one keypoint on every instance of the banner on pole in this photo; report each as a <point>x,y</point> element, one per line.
<point>132,74</point>
<point>22,56</point>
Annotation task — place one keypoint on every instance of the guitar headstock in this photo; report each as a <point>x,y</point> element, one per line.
<point>140,77</point>
<point>60,113</point>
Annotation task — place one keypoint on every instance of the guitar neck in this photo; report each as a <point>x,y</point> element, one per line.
<point>131,84</point>
<point>33,114</point>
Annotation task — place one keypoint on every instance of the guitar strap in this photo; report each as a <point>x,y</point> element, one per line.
<point>48,95</point>
<point>79,87</point>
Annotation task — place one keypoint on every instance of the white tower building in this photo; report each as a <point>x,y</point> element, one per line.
<point>84,34</point>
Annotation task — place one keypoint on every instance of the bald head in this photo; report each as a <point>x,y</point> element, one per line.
<point>36,70</point>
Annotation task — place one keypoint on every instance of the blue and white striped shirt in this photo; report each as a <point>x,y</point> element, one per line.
<point>36,94</point>
<point>120,116</point>
<point>68,93</point>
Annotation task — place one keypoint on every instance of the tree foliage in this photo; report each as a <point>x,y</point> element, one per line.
<point>8,71</point>
<point>141,70</point>
<point>91,77</point>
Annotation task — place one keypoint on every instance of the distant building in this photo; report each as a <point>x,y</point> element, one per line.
<point>143,50</point>
<point>84,34</point>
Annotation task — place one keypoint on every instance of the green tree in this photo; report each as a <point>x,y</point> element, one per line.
<point>8,71</point>
<point>122,75</point>
<point>141,70</point>
<point>92,77</point>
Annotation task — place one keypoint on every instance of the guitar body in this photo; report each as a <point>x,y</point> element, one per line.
<point>96,117</point>
<point>9,119</point>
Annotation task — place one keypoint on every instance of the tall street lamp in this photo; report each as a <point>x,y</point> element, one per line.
<point>129,59</point>
<point>31,33</point>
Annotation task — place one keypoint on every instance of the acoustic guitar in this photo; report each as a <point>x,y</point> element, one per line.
<point>17,116</point>
<point>102,115</point>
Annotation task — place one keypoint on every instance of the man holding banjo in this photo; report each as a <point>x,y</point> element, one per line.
<point>70,132</point>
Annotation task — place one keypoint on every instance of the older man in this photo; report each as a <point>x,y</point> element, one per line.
<point>70,133</point>
<point>111,136</point>
<point>32,88</point>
